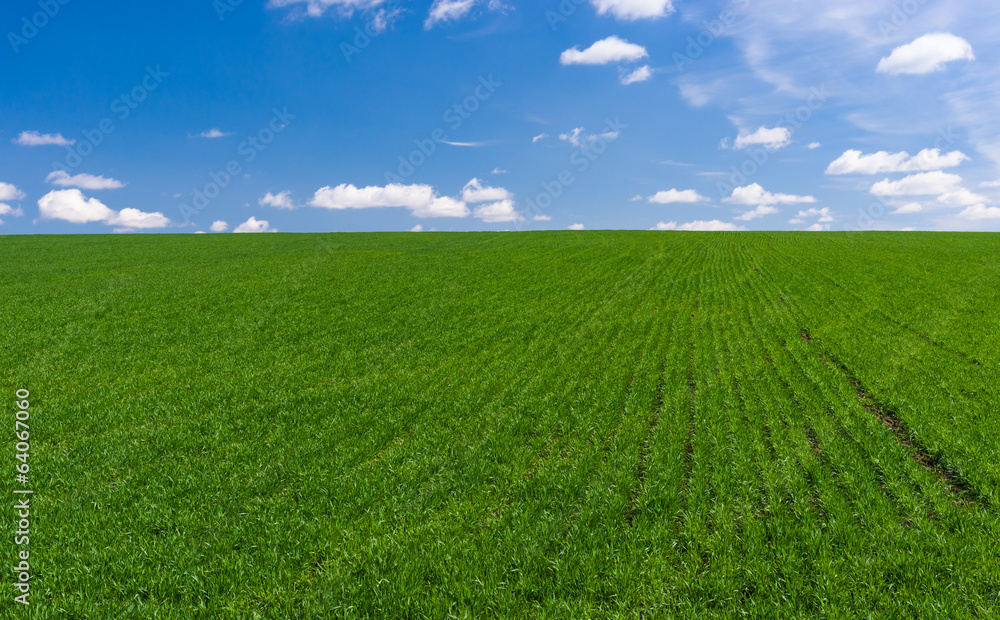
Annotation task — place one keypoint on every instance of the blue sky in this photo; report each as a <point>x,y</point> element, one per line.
<point>364,115</point>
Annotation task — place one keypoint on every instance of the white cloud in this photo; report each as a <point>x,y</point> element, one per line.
<point>926,54</point>
<point>854,162</point>
<point>281,200</point>
<point>760,211</point>
<point>813,145</point>
<point>641,74</point>
<point>219,226</point>
<point>9,191</point>
<point>33,138</point>
<point>754,194</point>
<point>922,184</point>
<point>632,10</point>
<point>129,219</point>
<point>700,225</point>
<point>315,8</point>
<point>72,206</point>
<point>215,132</point>
<point>540,136</point>
<point>417,228</point>
<point>605,51</point>
<point>498,171</point>
<point>771,138</point>
<point>253,225</point>
<point>578,138</point>
<point>910,207</point>
<point>448,10</point>
<point>818,227</point>
<point>796,220</point>
<point>575,227</point>
<point>542,218</point>
<point>83,181</point>
<point>980,212</point>
<point>500,211</point>
<point>960,197</point>
<point>675,195</point>
<point>823,214</point>
<point>475,191</point>
<point>987,184</point>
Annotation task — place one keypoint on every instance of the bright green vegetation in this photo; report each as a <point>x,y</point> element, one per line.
<point>550,425</point>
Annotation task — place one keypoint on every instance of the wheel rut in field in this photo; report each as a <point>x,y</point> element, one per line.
<point>961,489</point>
<point>632,507</point>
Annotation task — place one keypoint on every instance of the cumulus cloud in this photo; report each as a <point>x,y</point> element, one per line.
<point>910,207</point>
<point>699,225</point>
<point>605,51</point>
<point>675,195</point>
<point>130,219</point>
<point>219,226</point>
<point>542,218</point>
<point>980,212</point>
<point>500,211</point>
<point>71,205</point>
<point>813,145</point>
<point>33,138</point>
<point>855,162</point>
<point>926,54</point>
<point>631,10</point>
<point>754,194</point>
<point>474,191</point>
<point>83,181</point>
<point>281,200</point>
<point>921,184</point>
<point>421,200</point>
<point>215,132</point>
<point>760,211</point>
<point>9,191</point>
<point>960,197</point>
<point>818,227</point>
<point>575,227</point>
<point>823,214</point>
<point>770,138</point>
<point>641,74</point>
<point>417,228</point>
<point>578,138</point>
<point>253,225</point>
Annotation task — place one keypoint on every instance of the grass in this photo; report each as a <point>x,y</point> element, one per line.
<point>548,425</point>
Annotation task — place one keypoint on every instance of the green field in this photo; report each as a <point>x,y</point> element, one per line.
<point>506,425</point>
